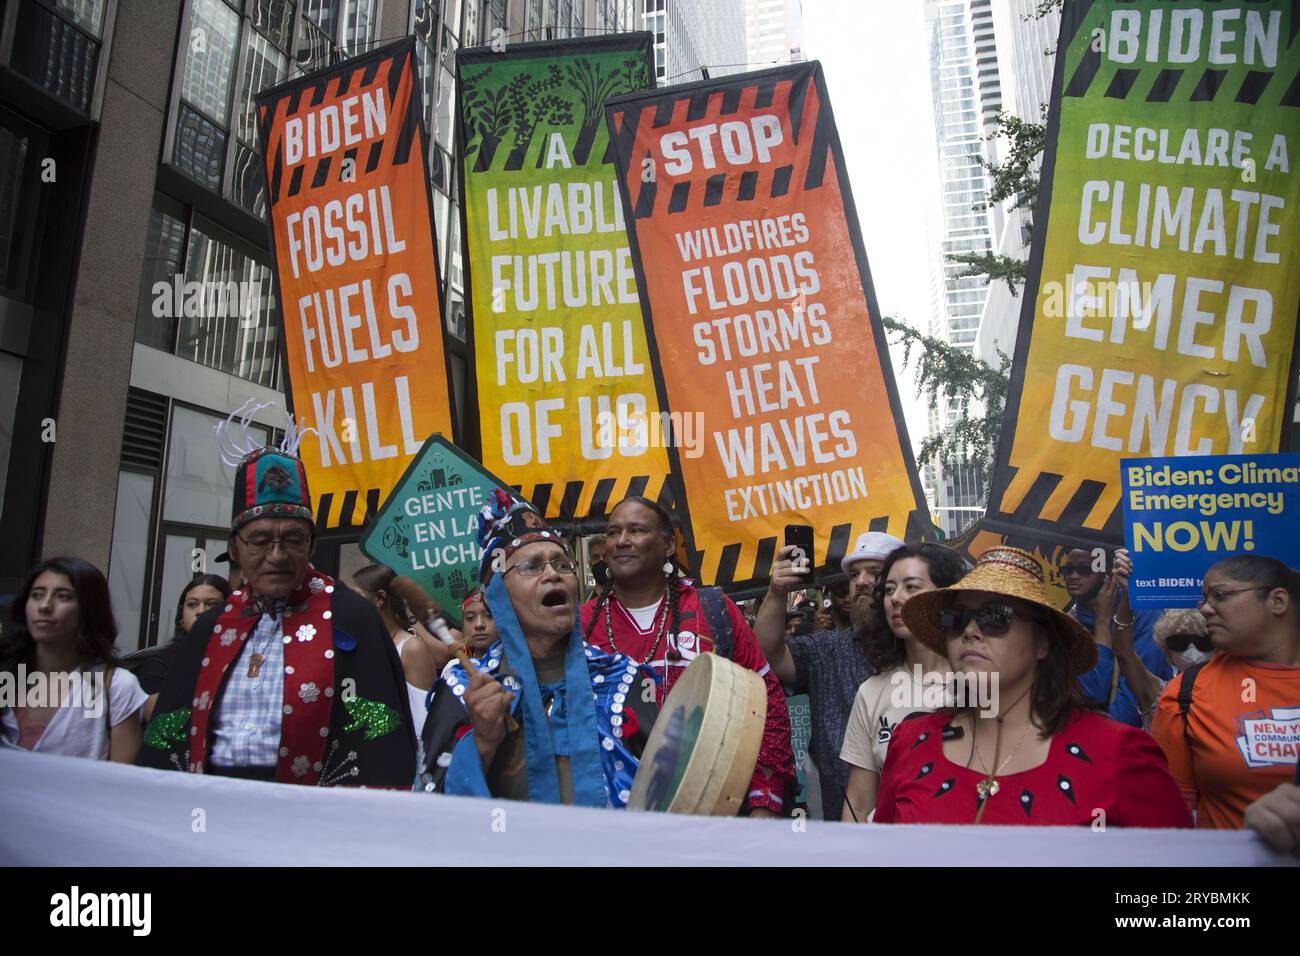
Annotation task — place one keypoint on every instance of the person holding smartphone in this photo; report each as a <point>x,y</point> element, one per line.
<point>827,665</point>
<point>1130,664</point>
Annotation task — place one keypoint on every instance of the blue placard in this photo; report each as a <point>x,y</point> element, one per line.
<point>1182,515</point>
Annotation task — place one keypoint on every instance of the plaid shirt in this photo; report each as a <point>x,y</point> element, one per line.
<point>246,728</point>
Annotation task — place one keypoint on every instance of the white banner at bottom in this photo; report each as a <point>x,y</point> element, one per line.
<point>63,811</point>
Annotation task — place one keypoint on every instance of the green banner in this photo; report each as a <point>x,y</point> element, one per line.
<point>566,403</point>
<point>800,736</point>
<point>1160,314</point>
<point>426,529</point>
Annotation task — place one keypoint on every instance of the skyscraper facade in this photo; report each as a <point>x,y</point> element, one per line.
<point>693,35</point>
<point>773,32</point>
<point>1025,40</point>
<point>966,98</point>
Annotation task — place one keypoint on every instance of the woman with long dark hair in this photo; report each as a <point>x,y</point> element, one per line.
<point>197,598</point>
<point>374,583</point>
<point>1018,746</point>
<point>907,677</point>
<point>58,646</point>
<point>1228,725</point>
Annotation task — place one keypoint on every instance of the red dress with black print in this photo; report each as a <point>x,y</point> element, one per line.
<point>1097,769</point>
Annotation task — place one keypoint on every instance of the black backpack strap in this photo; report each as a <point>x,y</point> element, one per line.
<point>714,604</point>
<point>1185,698</point>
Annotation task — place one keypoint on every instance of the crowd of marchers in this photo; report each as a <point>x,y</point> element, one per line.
<point>1095,712</point>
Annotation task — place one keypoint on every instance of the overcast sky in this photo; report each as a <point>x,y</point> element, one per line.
<point>877,72</point>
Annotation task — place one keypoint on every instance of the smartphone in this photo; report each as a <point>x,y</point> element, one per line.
<point>800,537</point>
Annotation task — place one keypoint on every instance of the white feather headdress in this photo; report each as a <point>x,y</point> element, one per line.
<point>234,441</point>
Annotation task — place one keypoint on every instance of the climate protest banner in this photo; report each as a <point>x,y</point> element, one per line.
<point>1160,314</point>
<point>565,399</point>
<point>759,302</point>
<point>1181,515</point>
<point>350,219</point>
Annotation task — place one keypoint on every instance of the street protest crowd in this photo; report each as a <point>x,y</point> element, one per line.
<point>940,692</point>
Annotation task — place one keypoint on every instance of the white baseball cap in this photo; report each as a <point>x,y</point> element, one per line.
<point>871,546</point>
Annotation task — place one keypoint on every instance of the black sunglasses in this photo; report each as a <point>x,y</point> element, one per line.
<point>1179,642</point>
<point>1075,570</point>
<point>993,620</point>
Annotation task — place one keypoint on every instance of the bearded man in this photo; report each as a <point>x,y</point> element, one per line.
<point>827,665</point>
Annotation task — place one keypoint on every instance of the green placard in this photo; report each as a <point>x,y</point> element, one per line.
<point>426,528</point>
<point>800,736</point>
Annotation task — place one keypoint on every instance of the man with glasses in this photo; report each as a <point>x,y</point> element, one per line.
<point>1130,664</point>
<point>293,679</point>
<point>542,717</point>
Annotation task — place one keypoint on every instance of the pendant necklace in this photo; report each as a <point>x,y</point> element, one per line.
<point>989,787</point>
<point>256,661</point>
<point>661,614</point>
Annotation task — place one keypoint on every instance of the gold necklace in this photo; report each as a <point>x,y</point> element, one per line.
<point>989,786</point>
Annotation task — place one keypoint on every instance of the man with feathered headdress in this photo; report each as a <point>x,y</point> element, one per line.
<point>294,679</point>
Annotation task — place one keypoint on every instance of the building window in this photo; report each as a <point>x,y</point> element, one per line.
<point>207,297</point>
<point>358,26</point>
<point>164,258</point>
<point>128,565</point>
<point>236,330</point>
<point>200,142</point>
<point>496,20</point>
<point>264,67</point>
<point>56,45</point>
<point>20,198</point>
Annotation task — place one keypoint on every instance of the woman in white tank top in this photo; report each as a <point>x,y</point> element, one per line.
<point>372,583</point>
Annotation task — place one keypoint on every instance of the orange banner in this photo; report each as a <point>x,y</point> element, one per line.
<point>351,224</point>
<point>757,293</point>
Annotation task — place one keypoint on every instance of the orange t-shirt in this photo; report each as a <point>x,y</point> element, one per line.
<point>1244,730</point>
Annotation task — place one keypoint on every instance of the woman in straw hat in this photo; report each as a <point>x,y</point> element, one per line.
<point>1025,750</point>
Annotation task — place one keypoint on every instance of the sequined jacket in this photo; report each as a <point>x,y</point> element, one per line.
<point>448,758</point>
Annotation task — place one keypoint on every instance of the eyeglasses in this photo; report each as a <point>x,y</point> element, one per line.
<point>1179,642</point>
<point>296,543</point>
<point>1075,570</point>
<point>1214,596</point>
<point>535,566</point>
<point>993,620</point>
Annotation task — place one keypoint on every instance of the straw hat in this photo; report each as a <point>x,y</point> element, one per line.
<point>1013,573</point>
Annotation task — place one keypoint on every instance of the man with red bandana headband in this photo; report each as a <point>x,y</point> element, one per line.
<point>650,614</point>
